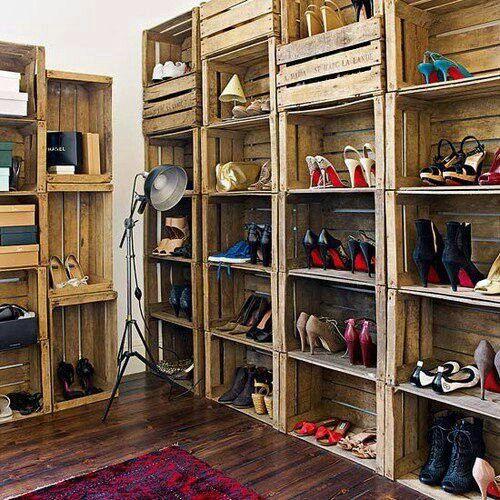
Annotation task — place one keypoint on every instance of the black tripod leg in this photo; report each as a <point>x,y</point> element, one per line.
<point>141,336</point>
<point>122,344</point>
<point>119,376</point>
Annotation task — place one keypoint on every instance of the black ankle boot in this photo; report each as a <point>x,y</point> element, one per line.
<point>253,240</point>
<point>428,253</point>
<point>438,459</point>
<point>244,399</point>
<point>459,266</point>
<point>239,381</point>
<point>175,298</point>
<point>265,245</point>
<point>185,303</point>
<point>467,445</point>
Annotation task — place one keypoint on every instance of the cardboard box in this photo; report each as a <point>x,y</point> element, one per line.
<point>91,154</point>
<point>17,215</point>
<point>9,81</point>
<point>13,103</point>
<point>19,256</point>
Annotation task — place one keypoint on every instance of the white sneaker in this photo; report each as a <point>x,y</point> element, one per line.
<point>171,70</point>
<point>158,73</point>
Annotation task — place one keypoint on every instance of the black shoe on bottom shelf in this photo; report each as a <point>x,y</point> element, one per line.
<point>239,382</point>
<point>244,399</point>
<point>438,460</point>
<point>467,445</point>
<point>85,372</point>
<point>66,376</point>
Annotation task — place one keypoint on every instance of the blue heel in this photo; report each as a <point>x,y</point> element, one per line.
<point>426,69</point>
<point>443,65</point>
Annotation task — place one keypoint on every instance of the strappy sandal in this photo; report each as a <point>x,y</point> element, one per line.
<point>333,436</point>
<point>331,15</point>
<point>161,249</point>
<point>324,428</point>
<point>313,21</point>
<point>177,235</point>
<point>368,164</point>
<point>354,165</point>
<point>75,272</point>
<point>354,441</point>
<point>366,451</point>
<point>57,273</point>
<point>305,428</point>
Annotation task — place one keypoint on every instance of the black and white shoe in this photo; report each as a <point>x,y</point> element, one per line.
<point>467,377</point>
<point>424,378</point>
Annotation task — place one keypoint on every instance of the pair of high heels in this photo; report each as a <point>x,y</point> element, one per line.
<point>447,377</point>
<point>449,261</point>
<point>488,364</point>
<point>324,18</point>
<point>457,168</point>
<point>177,234</point>
<point>484,475</point>
<point>314,330</point>
<point>360,345</point>
<point>180,300</point>
<point>68,275</point>
<point>85,372</point>
<point>259,240</point>
<point>328,252</point>
<point>437,68</point>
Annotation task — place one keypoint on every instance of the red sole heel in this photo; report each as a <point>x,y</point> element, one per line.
<point>464,279</point>
<point>360,263</point>
<point>338,263</point>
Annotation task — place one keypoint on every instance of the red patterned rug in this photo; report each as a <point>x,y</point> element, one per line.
<point>171,473</point>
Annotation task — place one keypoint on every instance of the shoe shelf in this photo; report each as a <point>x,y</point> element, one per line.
<point>224,296</point>
<point>313,393</point>
<point>408,418</point>
<point>435,331</point>
<point>228,25</point>
<point>334,275</point>
<point>81,103</point>
<point>224,221</point>
<point>224,357</point>
<point>413,27</point>
<point>402,210</point>
<point>326,132</point>
<point>29,61</point>
<point>174,103</point>
<point>415,126</point>
<point>180,148</point>
<point>342,63</point>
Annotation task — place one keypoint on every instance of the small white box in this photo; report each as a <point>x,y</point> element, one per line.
<point>4,179</point>
<point>9,81</point>
<point>13,103</point>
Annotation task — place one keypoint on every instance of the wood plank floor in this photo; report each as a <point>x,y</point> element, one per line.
<point>47,450</point>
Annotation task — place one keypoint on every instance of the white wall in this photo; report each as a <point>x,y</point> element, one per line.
<point>102,37</point>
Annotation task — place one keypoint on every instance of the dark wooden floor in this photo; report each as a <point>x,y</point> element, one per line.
<point>47,450</point>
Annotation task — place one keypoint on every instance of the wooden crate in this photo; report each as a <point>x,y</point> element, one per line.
<point>255,142</point>
<point>80,223</point>
<point>340,64</point>
<point>84,326</point>
<point>224,356</point>
<point>303,293</point>
<point>29,143</point>
<point>313,393</point>
<point>481,210</point>
<point>326,132</point>
<point>225,294</point>
<point>224,220</point>
<point>416,121</point>
<point>175,103</point>
<point>256,68</point>
<point>177,148</point>
<point>345,214</point>
<point>465,31</point>
<point>228,24</point>
<point>81,103</point>
<point>27,369</point>
<point>27,288</point>
<point>408,417</point>
<point>29,60</point>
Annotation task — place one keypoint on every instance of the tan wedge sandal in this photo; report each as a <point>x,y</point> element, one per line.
<point>75,272</point>
<point>355,440</point>
<point>177,234</point>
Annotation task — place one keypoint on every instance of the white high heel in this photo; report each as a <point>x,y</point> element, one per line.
<point>354,165</point>
<point>368,165</point>
<point>5,409</point>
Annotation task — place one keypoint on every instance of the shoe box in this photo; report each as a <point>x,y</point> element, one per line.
<point>5,164</point>
<point>12,102</point>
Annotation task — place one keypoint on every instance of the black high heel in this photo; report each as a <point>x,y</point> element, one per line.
<point>363,249</point>
<point>332,251</point>
<point>85,372</point>
<point>368,251</point>
<point>185,302</point>
<point>456,259</point>
<point>363,9</point>
<point>310,244</point>
<point>428,253</point>
<point>66,375</point>
<point>265,245</point>
<point>253,240</point>
<point>175,297</point>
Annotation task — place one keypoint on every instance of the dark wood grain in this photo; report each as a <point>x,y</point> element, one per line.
<point>55,447</point>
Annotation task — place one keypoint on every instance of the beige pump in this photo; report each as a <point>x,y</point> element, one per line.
<point>326,331</point>
<point>484,474</point>
<point>491,285</point>
<point>313,20</point>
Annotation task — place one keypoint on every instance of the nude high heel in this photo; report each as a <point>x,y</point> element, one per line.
<point>484,355</point>
<point>491,285</point>
<point>326,331</point>
<point>356,172</point>
<point>484,474</point>
<point>368,165</point>
<point>301,328</point>
<point>331,15</point>
<point>313,20</point>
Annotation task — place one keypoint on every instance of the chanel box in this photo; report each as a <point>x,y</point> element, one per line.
<point>65,148</point>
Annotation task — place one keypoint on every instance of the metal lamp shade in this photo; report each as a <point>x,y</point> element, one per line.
<point>165,186</point>
<point>233,91</point>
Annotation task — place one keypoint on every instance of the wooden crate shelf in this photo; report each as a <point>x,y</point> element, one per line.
<point>408,417</point>
<point>346,213</point>
<point>340,64</point>
<point>225,294</point>
<point>81,103</point>
<point>29,60</point>
<point>224,220</point>
<point>412,28</point>
<point>233,23</point>
<point>313,392</point>
<point>402,210</point>
<point>223,358</point>
<point>177,148</point>
<point>415,125</point>
<point>326,132</point>
<point>175,103</point>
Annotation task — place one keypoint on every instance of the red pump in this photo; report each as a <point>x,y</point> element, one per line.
<point>352,340</point>
<point>368,347</point>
